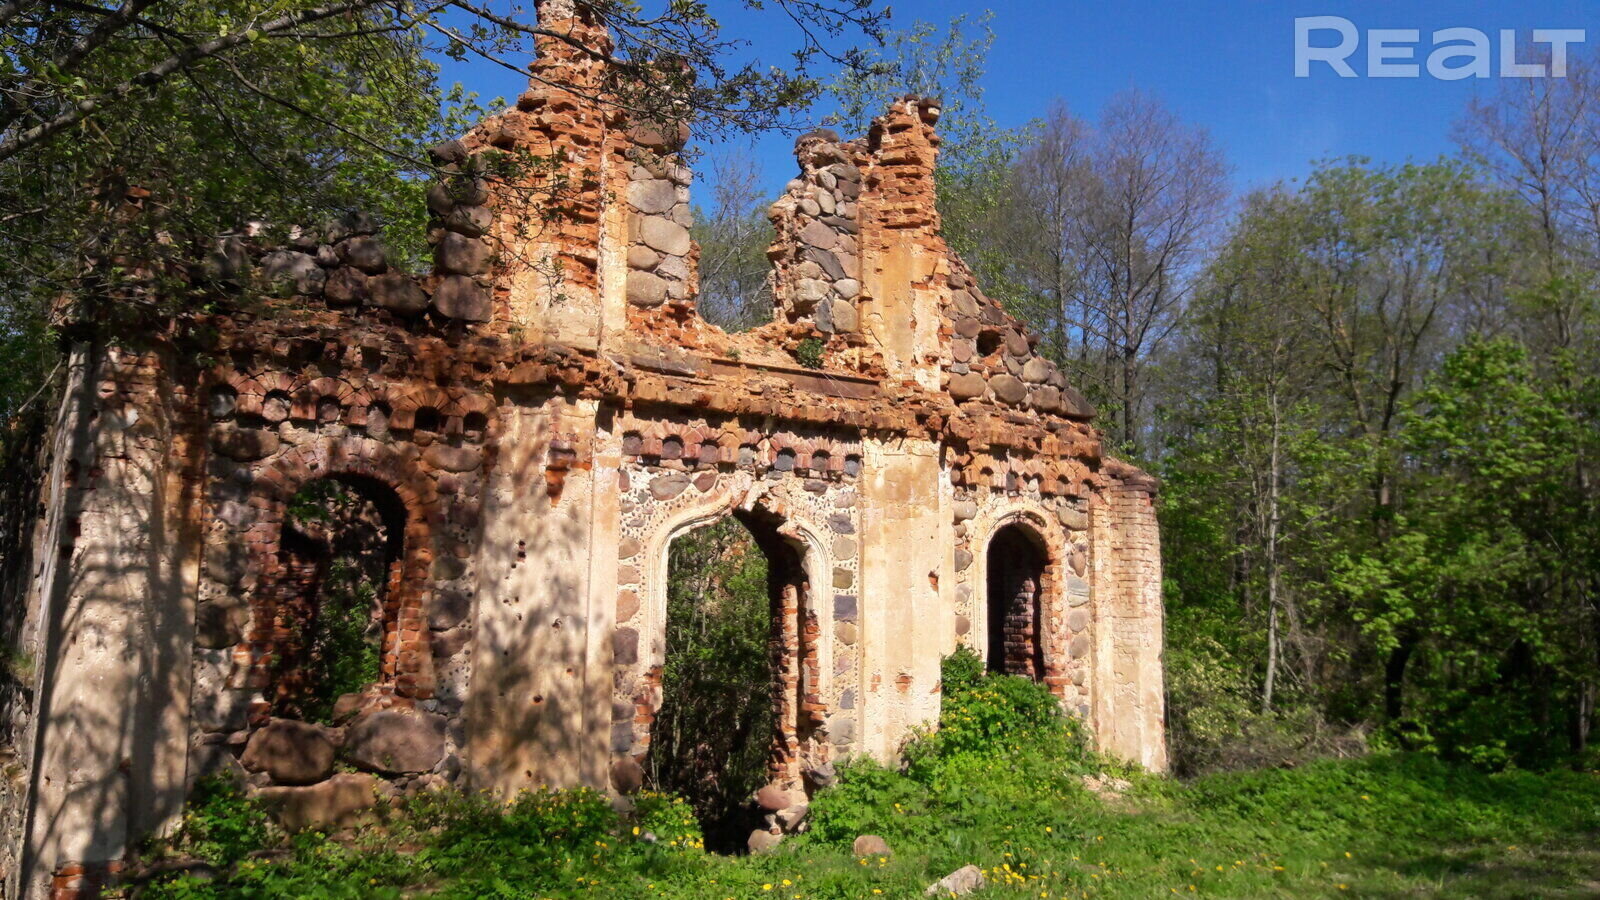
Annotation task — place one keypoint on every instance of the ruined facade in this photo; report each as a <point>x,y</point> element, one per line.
<point>530,424</point>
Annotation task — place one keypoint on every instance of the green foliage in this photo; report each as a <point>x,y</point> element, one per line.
<point>223,113</point>
<point>1368,502</point>
<point>986,712</point>
<point>278,129</point>
<point>669,818</point>
<point>713,734</point>
<point>808,353</point>
<point>1003,755</point>
<point>961,672</point>
<point>1494,576</point>
<point>221,824</point>
<point>544,823</point>
<point>1018,807</point>
<point>343,639</point>
<point>346,647</point>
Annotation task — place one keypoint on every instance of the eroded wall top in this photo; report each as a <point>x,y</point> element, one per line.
<point>562,253</point>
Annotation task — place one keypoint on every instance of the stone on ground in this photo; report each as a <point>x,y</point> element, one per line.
<point>871,845</point>
<point>959,883</point>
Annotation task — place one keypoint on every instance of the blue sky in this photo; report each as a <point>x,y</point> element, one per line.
<point>1228,66</point>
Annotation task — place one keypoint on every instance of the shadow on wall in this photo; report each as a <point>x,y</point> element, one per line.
<point>20,495</point>
<point>111,724</point>
<point>535,714</point>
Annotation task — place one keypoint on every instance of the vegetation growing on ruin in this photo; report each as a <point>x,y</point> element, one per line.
<point>1314,369</point>
<point>1372,396</point>
<point>808,353</point>
<point>711,738</point>
<point>346,643</point>
<point>217,117</point>
<point>342,637</point>
<point>1010,787</point>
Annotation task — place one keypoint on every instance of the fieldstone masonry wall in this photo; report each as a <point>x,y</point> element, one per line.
<point>817,256</point>
<point>538,417</point>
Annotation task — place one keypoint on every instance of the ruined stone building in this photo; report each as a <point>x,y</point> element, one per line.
<point>527,427</point>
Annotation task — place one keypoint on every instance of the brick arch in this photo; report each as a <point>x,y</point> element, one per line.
<point>807,629</point>
<point>452,406</point>
<point>1050,540</point>
<point>306,392</point>
<point>1014,582</point>
<point>407,668</point>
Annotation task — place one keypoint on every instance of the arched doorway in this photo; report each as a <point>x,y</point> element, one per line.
<point>738,656</point>
<point>339,561</point>
<point>1015,587</point>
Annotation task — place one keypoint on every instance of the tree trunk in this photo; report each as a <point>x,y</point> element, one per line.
<point>1394,675</point>
<point>1273,480</point>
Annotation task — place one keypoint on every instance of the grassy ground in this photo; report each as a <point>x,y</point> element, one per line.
<point>1001,787</point>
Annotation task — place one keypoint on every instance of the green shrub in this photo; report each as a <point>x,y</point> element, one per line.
<point>984,712</point>
<point>222,825</point>
<point>1001,786</point>
<point>808,353</point>
<point>669,818</point>
<point>1003,755</point>
<point>961,671</point>
<point>871,798</point>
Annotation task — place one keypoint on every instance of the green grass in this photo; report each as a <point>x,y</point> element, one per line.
<point>999,787</point>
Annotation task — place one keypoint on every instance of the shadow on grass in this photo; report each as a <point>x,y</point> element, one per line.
<point>1567,868</point>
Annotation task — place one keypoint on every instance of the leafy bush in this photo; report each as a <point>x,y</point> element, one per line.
<point>1000,708</point>
<point>541,824</point>
<point>1005,791</point>
<point>987,712</point>
<point>222,825</point>
<point>1003,754</point>
<point>808,353</point>
<point>669,819</point>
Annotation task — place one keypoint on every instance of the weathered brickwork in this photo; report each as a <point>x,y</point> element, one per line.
<point>529,425</point>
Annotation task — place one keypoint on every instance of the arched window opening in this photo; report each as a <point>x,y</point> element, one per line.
<point>339,557</point>
<point>378,419</point>
<point>427,420</point>
<point>735,594</point>
<point>784,461</point>
<point>276,406</point>
<point>221,402</point>
<point>328,410</point>
<point>1015,581</point>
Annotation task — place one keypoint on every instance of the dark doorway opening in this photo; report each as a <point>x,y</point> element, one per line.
<point>340,556</point>
<point>731,677</point>
<point>1016,572</point>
